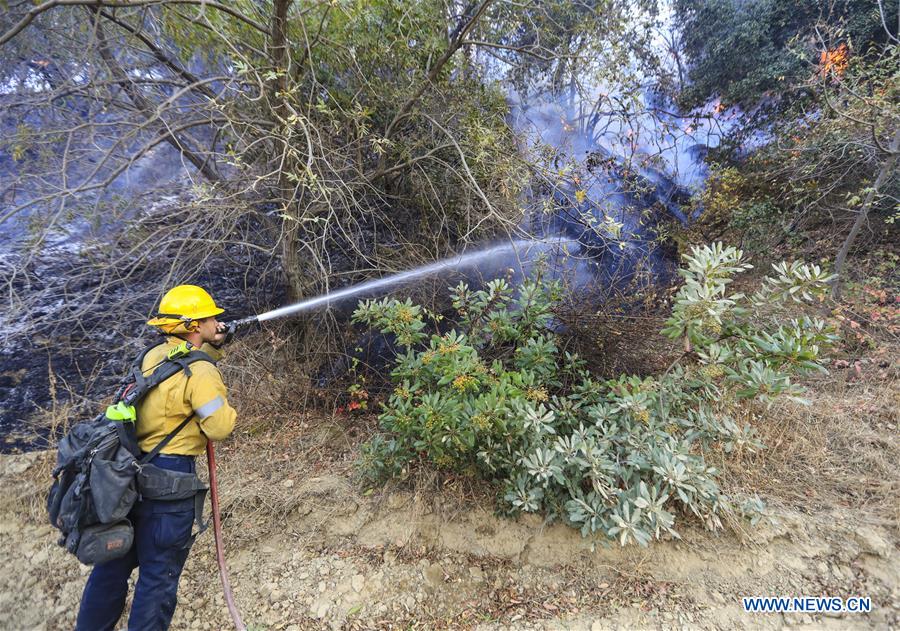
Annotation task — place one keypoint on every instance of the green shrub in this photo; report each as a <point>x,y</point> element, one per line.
<point>497,397</point>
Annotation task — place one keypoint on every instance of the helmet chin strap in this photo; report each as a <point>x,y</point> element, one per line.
<point>192,327</point>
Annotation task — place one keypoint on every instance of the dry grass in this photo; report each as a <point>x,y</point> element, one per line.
<point>614,344</point>
<point>270,479</point>
<point>24,495</point>
<point>840,451</point>
<point>288,434</point>
<point>258,478</point>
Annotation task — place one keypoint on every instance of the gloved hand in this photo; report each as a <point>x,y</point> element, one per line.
<point>224,334</point>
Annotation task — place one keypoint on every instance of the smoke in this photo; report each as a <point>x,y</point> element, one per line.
<point>614,162</point>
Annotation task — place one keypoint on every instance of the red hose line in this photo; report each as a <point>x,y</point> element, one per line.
<point>217,531</point>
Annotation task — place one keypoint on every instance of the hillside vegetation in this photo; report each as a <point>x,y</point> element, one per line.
<point>689,395</point>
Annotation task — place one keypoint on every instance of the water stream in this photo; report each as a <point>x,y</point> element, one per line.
<point>523,250</point>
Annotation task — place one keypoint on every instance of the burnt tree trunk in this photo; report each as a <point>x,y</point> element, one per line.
<point>278,94</point>
<point>887,169</point>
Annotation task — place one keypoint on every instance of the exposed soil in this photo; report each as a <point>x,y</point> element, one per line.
<point>310,549</point>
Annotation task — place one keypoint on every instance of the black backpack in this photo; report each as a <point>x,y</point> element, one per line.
<point>100,473</point>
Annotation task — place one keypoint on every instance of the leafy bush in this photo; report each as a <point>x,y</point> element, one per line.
<point>735,206</point>
<point>499,398</point>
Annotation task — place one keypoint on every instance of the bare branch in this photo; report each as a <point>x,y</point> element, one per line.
<point>180,142</point>
<point>470,19</point>
<point>29,17</point>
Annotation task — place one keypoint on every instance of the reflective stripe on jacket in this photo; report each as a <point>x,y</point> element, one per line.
<point>164,407</point>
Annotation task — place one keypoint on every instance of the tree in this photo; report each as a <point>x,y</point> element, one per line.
<point>308,135</point>
<point>864,118</point>
<point>744,52</point>
<point>830,74</point>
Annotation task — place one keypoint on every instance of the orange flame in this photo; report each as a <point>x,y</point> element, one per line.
<point>834,60</point>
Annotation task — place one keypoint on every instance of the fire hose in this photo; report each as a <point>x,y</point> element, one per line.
<point>217,531</point>
<point>230,328</point>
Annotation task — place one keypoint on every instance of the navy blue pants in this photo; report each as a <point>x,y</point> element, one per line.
<point>162,540</point>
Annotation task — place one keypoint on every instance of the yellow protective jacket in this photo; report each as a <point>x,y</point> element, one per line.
<point>166,406</point>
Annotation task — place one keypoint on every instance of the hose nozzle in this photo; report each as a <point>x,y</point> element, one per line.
<point>229,329</point>
<point>234,325</point>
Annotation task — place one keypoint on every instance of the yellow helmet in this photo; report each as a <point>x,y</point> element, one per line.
<point>183,304</point>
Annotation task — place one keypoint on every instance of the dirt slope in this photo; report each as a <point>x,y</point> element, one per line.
<point>311,551</point>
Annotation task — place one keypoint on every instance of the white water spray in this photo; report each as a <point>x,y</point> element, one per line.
<point>454,263</point>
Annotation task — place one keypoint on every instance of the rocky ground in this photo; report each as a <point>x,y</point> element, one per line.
<point>309,549</point>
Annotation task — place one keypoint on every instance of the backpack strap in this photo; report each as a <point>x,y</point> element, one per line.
<point>165,441</point>
<point>167,369</point>
<point>135,370</point>
<point>184,484</point>
<point>190,358</point>
<point>199,501</point>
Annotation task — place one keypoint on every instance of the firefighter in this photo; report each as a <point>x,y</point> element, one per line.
<point>163,528</point>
